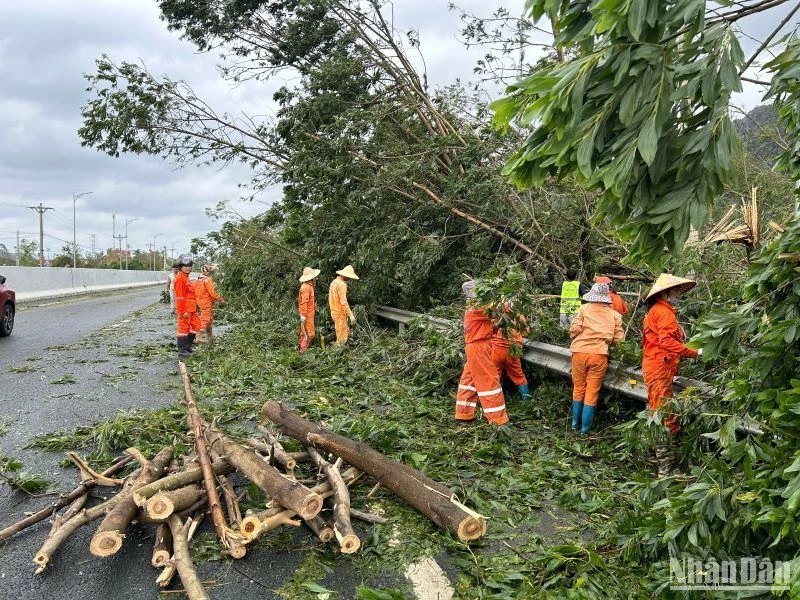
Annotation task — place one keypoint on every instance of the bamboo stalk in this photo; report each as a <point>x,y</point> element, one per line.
<point>63,501</point>
<point>108,538</point>
<point>182,560</point>
<point>162,549</point>
<point>232,540</point>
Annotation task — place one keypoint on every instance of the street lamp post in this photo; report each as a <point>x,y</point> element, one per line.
<point>155,235</point>
<point>74,229</point>
<point>127,245</point>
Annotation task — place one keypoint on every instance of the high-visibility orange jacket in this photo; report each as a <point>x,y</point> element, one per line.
<point>477,326</point>
<point>185,300</point>
<point>306,305</point>
<point>595,327</point>
<point>337,298</point>
<point>662,336</point>
<point>205,291</point>
<point>617,303</point>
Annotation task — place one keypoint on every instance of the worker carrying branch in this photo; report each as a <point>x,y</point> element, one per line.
<point>479,379</point>
<point>337,301</point>
<point>594,328</point>
<point>186,307</point>
<point>307,307</point>
<point>206,293</point>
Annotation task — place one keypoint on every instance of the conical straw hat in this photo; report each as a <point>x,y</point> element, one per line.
<point>309,274</point>
<point>666,281</point>
<point>348,272</point>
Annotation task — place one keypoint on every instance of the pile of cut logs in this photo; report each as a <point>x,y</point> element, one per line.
<point>175,497</point>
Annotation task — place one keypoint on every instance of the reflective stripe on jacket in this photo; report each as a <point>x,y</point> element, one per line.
<point>570,297</point>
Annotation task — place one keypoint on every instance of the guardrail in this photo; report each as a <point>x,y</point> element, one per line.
<point>619,378</point>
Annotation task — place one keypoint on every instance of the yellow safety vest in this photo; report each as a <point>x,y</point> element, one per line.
<point>570,298</point>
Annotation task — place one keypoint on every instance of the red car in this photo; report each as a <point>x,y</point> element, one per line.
<point>8,306</point>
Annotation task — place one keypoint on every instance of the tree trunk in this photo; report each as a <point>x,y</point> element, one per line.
<point>287,493</point>
<point>429,497</point>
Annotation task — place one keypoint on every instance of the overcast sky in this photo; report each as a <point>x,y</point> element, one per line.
<point>46,46</point>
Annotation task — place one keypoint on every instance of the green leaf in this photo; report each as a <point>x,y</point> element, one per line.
<point>647,142</point>
<point>636,15</point>
<point>316,588</point>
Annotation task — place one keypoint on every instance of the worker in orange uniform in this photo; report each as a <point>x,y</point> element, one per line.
<point>337,301</point>
<point>206,293</point>
<point>479,379</point>
<point>186,307</point>
<point>307,307</point>
<point>596,326</point>
<point>617,303</point>
<point>511,365</point>
<point>662,344</point>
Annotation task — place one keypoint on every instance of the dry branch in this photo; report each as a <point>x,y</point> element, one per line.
<point>277,452</point>
<point>64,500</point>
<point>230,539</point>
<point>366,517</point>
<point>432,499</point>
<point>345,535</point>
<point>107,540</point>
<point>182,560</point>
<point>177,480</point>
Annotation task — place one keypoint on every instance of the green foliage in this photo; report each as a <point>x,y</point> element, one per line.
<point>640,114</point>
<point>14,476</point>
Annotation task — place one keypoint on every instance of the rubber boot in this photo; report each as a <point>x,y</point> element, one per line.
<point>201,336</point>
<point>587,418</point>
<point>190,342</point>
<point>577,408</point>
<point>209,333</point>
<point>182,346</point>
<point>524,392</point>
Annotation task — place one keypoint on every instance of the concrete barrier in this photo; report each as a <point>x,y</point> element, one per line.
<point>39,283</point>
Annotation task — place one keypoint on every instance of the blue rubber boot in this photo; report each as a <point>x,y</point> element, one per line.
<point>586,419</point>
<point>524,392</point>
<point>577,407</point>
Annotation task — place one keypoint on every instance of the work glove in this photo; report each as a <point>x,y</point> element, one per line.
<point>699,352</point>
<point>352,319</point>
<point>302,318</point>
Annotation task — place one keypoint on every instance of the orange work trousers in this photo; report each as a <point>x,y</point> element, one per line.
<point>191,324</point>
<point>206,314</point>
<point>307,326</point>
<point>588,371</point>
<point>658,373</point>
<point>480,383</point>
<point>512,365</point>
<point>342,328</point>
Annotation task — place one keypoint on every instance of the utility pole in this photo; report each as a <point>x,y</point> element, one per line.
<point>74,239</point>
<point>41,210</point>
<point>127,246</point>
<point>18,249</point>
<point>94,235</point>
<point>116,237</point>
<point>155,235</point>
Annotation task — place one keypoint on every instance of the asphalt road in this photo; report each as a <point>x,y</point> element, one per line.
<point>77,362</point>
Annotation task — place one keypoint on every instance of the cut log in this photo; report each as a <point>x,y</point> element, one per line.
<point>321,528</point>
<point>108,538</point>
<point>432,499</point>
<point>366,517</point>
<point>163,504</point>
<point>278,454</point>
<point>177,480</point>
<point>63,501</point>
<point>229,495</point>
<point>287,493</point>
<point>183,560</point>
<point>162,549</point>
<point>231,540</point>
<point>168,572</point>
<point>345,535</point>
